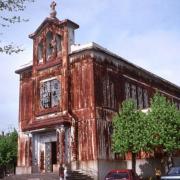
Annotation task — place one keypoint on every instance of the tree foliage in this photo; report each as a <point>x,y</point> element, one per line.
<point>127,129</point>
<point>8,149</point>
<point>135,131</point>
<point>9,16</point>
<point>165,124</point>
<point>128,134</point>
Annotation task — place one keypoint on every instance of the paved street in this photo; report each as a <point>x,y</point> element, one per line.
<point>49,176</point>
<point>72,175</point>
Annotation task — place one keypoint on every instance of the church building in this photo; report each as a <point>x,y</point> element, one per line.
<point>67,97</point>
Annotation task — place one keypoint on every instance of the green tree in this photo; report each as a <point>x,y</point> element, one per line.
<point>134,131</point>
<point>8,150</point>
<point>164,126</point>
<point>9,9</point>
<point>128,131</point>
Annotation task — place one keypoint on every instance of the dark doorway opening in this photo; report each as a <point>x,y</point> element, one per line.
<point>41,161</point>
<point>54,153</point>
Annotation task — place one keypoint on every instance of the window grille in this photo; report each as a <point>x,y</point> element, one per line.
<point>49,93</point>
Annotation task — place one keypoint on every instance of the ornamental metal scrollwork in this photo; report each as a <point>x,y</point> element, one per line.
<point>49,93</point>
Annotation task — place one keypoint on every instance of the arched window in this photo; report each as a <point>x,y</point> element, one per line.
<point>40,53</point>
<point>58,42</point>
<point>49,48</point>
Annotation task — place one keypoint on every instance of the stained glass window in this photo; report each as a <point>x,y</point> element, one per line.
<point>49,93</point>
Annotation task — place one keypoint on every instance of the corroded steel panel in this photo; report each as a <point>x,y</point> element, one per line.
<point>82,104</point>
<point>92,86</point>
<point>125,84</point>
<point>24,150</point>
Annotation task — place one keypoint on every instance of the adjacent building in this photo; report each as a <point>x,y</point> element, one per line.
<point>68,96</point>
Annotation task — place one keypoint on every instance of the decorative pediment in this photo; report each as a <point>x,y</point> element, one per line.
<point>53,21</point>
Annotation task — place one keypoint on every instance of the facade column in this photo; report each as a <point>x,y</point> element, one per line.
<point>61,144</point>
<point>30,150</point>
<point>24,154</point>
<point>73,141</point>
<point>19,159</point>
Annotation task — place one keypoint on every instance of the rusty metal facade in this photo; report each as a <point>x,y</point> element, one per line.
<point>92,85</point>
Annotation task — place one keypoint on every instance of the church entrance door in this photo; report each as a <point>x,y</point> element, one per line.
<point>50,156</point>
<point>54,152</point>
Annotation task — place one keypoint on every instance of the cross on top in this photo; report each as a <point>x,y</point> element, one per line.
<point>53,5</point>
<point>53,10</point>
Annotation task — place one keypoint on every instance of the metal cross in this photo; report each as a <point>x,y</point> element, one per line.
<point>53,10</point>
<point>53,5</point>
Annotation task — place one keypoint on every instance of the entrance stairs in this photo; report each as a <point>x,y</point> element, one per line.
<point>72,175</point>
<point>77,175</point>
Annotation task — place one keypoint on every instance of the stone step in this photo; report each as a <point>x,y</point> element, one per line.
<point>77,178</point>
<point>77,175</point>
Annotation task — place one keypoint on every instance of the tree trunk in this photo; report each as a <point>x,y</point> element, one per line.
<point>4,173</point>
<point>14,168</point>
<point>170,160</point>
<point>134,162</point>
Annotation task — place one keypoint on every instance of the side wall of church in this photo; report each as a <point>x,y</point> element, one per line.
<point>114,83</point>
<point>108,94</point>
<point>82,105</point>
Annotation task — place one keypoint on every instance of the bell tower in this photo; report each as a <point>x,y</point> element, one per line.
<point>51,47</point>
<point>44,98</point>
<point>52,40</point>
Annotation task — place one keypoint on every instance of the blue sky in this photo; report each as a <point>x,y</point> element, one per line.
<point>146,33</point>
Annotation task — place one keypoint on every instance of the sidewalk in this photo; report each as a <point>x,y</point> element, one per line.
<point>43,176</point>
